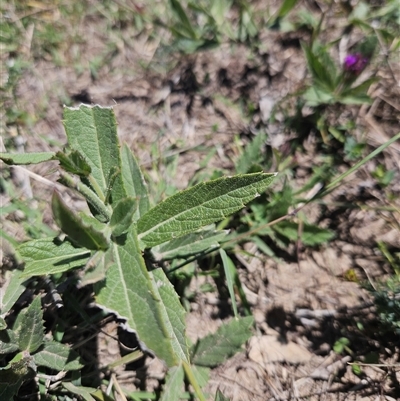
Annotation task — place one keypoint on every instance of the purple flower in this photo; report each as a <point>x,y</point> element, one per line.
<point>355,62</point>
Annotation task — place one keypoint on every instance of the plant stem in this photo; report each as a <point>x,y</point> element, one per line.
<point>71,182</point>
<point>131,357</point>
<point>192,380</point>
<point>341,177</point>
<point>247,234</point>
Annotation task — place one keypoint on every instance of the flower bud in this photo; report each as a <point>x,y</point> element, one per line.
<point>355,62</point>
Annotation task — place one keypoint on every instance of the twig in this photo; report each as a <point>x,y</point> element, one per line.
<point>39,178</point>
<point>316,314</point>
<point>263,226</point>
<point>377,365</point>
<point>53,378</point>
<point>22,179</point>
<point>368,277</point>
<point>389,101</point>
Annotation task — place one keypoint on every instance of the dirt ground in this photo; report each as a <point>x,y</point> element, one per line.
<point>302,303</point>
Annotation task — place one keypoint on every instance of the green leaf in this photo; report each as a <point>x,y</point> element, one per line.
<point>230,274</point>
<point>99,209</point>
<point>114,173</point>
<point>20,369</point>
<point>219,10</point>
<point>91,221</point>
<point>356,99</point>
<point>204,204</point>
<point>286,6</point>
<point>322,52</point>
<point>190,46</point>
<point>252,154</point>
<point>122,216</point>
<point>26,158</point>
<point>84,392</point>
<point>247,28</point>
<point>183,18</point>
<point>361,11</point>
<point>48,256</point>
<point>13,291</point>
<point>92,131</point>
<point>74,163</point>
<point>368,46</point>
<point>58,357</point>
<point>146,300</point>
<point>214,349</point>
<point>81,233</point>
<point>311,235</point>
<point>196,243</point>
<point>28,327</point>
<point>262,246</point>
<point>356,368</point>
<point>96,267</point>
<point>192,379</point>
<point>173,387</point>
<point>101,396</point>
<point>341,344</point>
<point>134,182</point>
<point>315,96</point>
<point>317,69</point>
<point>220,397</point>
<point>202,374</point>
<point>8,342</point>
<point>172,314</point>
<point>337,134</point>
<point>361,89</point>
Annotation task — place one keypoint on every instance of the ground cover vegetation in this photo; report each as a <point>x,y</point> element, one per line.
<point>229,229</point>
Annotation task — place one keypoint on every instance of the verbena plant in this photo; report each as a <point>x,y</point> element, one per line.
<point>107,245</point>
<point>331,85</point>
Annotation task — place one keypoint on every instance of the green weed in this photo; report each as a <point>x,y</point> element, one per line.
<point>108,244</point>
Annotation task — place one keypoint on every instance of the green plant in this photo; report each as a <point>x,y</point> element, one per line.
<point>35,351</point>
<point>108,244</point>
<point>342,345</point>
<point>383,176</point>
<point>387,301</point>
<point>203,25</point>
<point>387,293</point>
<point>331,85</point>
<point>255,223</point>
<point>336,73</point>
